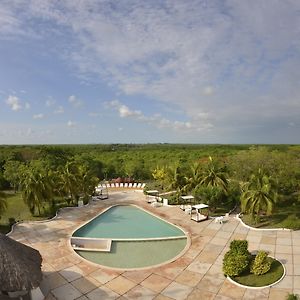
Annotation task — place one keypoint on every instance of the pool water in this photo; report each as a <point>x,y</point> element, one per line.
<point>136,254</point>
<point>139,239</point>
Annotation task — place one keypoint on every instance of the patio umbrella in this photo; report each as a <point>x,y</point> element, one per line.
<point>20,266</point>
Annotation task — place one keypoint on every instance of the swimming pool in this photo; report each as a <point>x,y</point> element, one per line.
<point>138,238</point>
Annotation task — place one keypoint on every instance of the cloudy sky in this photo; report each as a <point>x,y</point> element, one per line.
<point>133,71</point>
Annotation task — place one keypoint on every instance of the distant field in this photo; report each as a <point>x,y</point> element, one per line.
<point>17,209</point>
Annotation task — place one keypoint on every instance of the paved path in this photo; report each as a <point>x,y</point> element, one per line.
<point>195,275</point>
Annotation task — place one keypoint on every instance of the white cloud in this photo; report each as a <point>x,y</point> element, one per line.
<point>14,103</point>
<point>71,124</point>
<point>50,102</point>
<point>38,116</point>
<point>158,121</point>
<point>75,101</point>
<point>236,60</point>
<point>59,110</point>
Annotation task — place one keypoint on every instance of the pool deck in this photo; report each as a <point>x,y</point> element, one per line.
<point>195,275</point>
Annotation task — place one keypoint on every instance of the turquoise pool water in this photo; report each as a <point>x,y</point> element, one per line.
<point>130,222</point>
<point>136,254</point>
<point>127,222</point>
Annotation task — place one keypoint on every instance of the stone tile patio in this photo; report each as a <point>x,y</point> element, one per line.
<point>195,275</point>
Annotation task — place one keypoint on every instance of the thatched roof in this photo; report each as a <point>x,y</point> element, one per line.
<point>20,266</point>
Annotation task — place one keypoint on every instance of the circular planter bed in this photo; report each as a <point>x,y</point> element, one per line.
<point>274,275</point>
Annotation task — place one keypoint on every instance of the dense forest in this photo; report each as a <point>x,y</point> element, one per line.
<point>222,175</point>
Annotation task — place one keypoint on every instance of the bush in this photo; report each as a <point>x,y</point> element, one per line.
<point>239,246</point>
<point>292,297</point>
<point>261,264</point>
<point>235,263</point>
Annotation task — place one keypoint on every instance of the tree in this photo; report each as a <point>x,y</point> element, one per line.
<point>36,189</point>
<point>68,181</point>
<point>13,170</point>
<point>194,177</point>
<point>215,176</point>
<point>258,195</point>
<point>87,182</point>
<point>174,179</point>
<point>3,203</point>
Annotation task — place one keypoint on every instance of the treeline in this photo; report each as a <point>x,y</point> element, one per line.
<point>72,171</point>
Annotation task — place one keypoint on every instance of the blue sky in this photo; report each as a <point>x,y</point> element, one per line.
<point>91,71</point>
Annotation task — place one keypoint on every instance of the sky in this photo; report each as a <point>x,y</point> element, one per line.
<point>140,71</point>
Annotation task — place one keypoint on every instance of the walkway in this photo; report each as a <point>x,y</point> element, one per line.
<point>196,275</point>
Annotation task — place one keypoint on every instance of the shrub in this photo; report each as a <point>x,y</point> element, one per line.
<point>237,259</point>
<point>261,264</point>
<point>235,263</point>
<point>292,297</point>
<point>239,246</point>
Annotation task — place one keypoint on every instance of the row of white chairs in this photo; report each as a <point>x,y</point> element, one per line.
<point>122,185</point>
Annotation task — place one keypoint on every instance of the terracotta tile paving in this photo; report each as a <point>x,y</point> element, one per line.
<point>120,285</point>
<point>201,295</point>
<point>196,275</point>
<point>162,297</point>
<point>199,267</point>
<point>156,283</point>
<point>137,276</point>
<point>177,291</point>
<point>189,278</point>
<point>140,292</point>
<point>104,276</point>
<point>251,294</point>
<point>278,294</point>
<point>211,283</point>
<point>102,293</point>
<point>230,290</point>
<point>85,285</point>
<point>71,273</point>
<point>66,292</point>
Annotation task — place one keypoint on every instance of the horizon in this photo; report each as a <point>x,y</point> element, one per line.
<point>194,72</point>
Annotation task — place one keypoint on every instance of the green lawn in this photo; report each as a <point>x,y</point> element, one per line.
<point>17,209</point>
<point>274,274</point>
<point>286,215</point>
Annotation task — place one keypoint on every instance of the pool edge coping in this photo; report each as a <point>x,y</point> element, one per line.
<point>187,246</point>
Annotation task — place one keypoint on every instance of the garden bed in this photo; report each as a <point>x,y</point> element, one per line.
<point>272,276</point>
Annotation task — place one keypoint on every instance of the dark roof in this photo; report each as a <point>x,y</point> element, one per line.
<point>20,266</point>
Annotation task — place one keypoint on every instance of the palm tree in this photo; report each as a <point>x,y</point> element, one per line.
<point>3,203</point>
<point>214,176</point>
<point>36,189</point>
<point>174,179</point>
<point>69,181</point>
<point>87,182</point>
<point>258,195</point>
<point>194,177</point>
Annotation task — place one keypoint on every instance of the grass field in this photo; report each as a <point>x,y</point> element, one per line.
<point>274,274</point>
<point>17,209</point>
<point>286,215</point>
